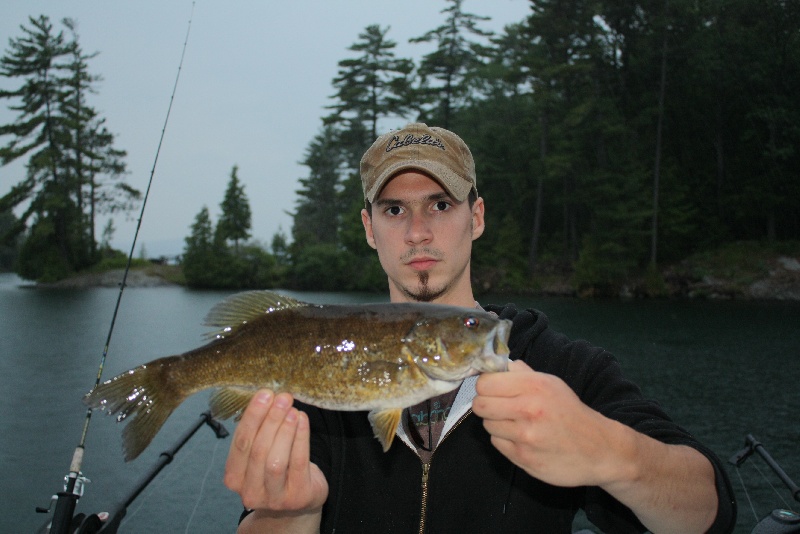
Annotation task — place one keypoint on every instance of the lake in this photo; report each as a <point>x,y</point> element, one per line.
<point>722,369</point>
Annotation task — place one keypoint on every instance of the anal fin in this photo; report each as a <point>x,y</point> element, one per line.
<point>384,425</point>
<point>227,402</point>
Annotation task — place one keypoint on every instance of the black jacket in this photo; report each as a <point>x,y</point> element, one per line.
<point>471,487</point>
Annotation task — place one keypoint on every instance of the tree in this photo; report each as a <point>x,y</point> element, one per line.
<point>316,219</point>
<point>235,222</point>
<point>373,85</point>
<point>66,147</point>
<point>8,251</point>
<point>451,63</point>
<point>38,57</point>
<point>199,264</point>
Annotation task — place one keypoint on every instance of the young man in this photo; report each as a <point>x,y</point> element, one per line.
<point>506,452</point>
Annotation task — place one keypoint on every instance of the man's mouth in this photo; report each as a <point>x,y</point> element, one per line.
<point>422,264</point>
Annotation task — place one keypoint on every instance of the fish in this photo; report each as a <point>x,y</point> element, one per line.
<point>379,358</point>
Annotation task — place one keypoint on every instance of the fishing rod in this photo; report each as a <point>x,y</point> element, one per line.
<point>67,499</point>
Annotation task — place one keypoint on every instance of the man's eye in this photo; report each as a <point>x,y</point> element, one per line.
<point>394,210</point>
<point>442,205</point>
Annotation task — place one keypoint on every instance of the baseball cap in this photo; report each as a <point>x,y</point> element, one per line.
<point>435,151</point>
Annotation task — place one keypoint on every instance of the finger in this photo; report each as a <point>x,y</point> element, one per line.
<point>518,366</point>
<point>492,408</point>
<point>502,429</point>
<point>301,449</point>
<point>271,463</point>
<point>244,436</point>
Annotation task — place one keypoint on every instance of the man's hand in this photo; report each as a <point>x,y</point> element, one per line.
<point>269,466</point>
<point>541,425</point>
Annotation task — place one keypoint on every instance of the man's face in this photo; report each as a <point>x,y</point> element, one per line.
<point>424,239</point>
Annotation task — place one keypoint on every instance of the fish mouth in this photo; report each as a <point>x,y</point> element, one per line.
<point>494,357</point>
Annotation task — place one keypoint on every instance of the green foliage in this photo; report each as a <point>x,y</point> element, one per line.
<point>450,65</point>
<point>561,114</point>
<point>235,222</point>
<point>325,267</point>
<point>67,148</point>
<point>372,85</point>
<point>40,258</point>
<point>209,262</point>
<point>8,246</point>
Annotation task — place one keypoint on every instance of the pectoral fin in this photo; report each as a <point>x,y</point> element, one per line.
<point>384,425</point>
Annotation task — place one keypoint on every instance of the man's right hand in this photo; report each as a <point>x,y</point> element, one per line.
<point>269,467</point>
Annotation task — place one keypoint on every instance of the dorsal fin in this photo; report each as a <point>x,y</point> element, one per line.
<point>246,306</point>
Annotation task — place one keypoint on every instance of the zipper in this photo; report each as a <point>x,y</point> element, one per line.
<point>426,467</point>
<point>423,512</point>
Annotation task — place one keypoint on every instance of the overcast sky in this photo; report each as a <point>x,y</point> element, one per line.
<point>255,82</point>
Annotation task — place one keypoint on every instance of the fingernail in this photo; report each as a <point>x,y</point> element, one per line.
<point>264,397</point>
<point>282,402</point>
<point>291,416</point>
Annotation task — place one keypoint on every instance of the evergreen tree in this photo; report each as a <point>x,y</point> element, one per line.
<point>316,219</point>
<point>8,250</point>
<point>66,148</point>
<point>373,85</point>
<point>38,58</point>
<point>451,64</point>
<point>198,254</point>
<point>235,222</point>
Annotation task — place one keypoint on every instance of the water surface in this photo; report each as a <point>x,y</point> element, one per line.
<point>722,369</point>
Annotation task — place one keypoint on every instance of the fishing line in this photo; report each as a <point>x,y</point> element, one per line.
<point>202,486</point>
<point>769,483</point>
<point>747,494</point>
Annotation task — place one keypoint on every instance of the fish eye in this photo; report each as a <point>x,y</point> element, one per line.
<point>471,322</point>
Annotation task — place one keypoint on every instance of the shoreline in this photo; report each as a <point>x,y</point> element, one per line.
<point>137,277</point>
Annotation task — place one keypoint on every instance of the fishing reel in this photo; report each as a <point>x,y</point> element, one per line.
<point>779,521</point>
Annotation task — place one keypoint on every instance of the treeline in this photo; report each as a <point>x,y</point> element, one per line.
<point>219,256</point>
<point>73,172</point>
<point>610,137</point>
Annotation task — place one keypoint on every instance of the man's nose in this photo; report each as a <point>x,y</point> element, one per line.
<point>419,230</point>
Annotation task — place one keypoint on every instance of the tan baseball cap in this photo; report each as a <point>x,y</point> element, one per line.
<point>435,151</point>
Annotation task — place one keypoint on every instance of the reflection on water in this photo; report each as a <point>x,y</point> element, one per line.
<point>722,369</point>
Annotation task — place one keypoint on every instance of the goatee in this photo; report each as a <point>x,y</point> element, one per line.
<point>424,293</point>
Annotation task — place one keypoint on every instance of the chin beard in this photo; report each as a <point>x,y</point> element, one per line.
<point>424,293</point>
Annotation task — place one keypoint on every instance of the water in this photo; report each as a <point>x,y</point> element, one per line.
<point>722,369</point>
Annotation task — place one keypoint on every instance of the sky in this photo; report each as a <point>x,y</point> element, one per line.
<point>255,83</point>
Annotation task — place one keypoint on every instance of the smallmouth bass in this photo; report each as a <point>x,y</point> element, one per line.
<point>379,358</point>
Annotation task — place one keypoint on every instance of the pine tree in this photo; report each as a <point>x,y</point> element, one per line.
<point>67,149</point>
<point>235,222</point>
<point>316,219</point>
<point>198,254</point>
<point>373,85</point>
<point>451,63</point>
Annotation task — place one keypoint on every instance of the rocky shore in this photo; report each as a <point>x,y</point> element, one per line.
<point>112,278</point>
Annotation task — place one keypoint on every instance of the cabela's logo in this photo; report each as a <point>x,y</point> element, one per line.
<point>409,139</point>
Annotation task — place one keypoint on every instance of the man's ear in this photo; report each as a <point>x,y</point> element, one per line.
<point>478,222</point>
<point>366,220</point>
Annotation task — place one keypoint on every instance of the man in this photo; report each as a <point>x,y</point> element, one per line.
<point>506,452</point>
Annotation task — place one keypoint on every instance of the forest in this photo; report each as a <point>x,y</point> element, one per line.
<point>611,139</point>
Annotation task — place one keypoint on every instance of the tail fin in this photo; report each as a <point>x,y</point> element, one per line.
<point>145,394</point>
